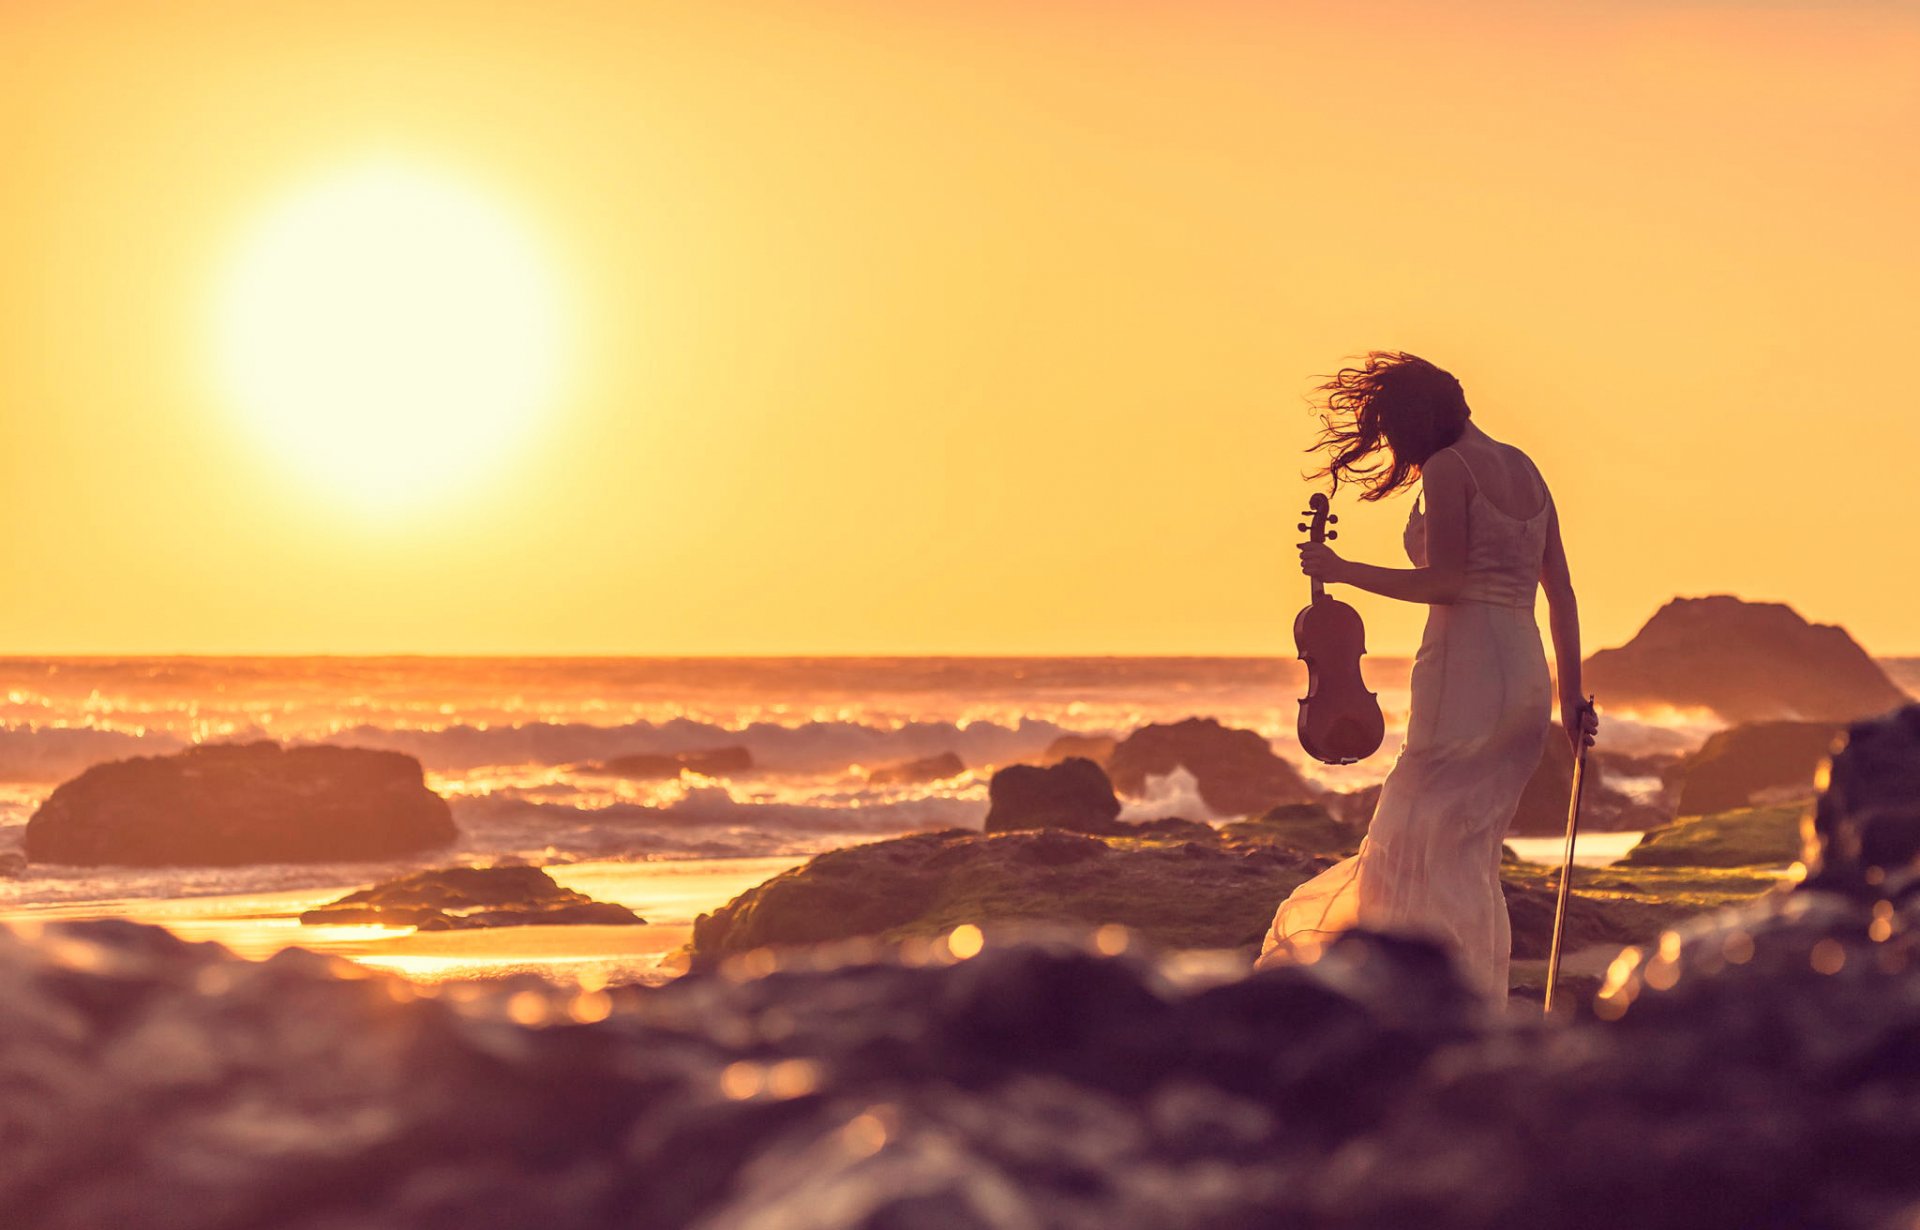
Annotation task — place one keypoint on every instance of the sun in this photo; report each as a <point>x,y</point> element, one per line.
<point>391,333</point>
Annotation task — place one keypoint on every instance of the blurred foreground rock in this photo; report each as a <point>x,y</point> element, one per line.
<point>1764,1081</point>
<point>1758,1069</point>
<point>1865,834</point>
<point>231,804</point>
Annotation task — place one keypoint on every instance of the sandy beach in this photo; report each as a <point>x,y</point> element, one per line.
<point>668,894</point>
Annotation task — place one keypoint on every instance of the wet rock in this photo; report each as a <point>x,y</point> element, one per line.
<point>1748,661</point>
<point>1236,770</point>
<point>1172,828</point>
<point>1074,794</point>
<point>1353,808</point>
<point>1097,748</point>
<point>660,766</point>
<point>1746,837</point>
<point>1174,890</point>
<point>231,804</point>
<point>1621,764</point>
<point>1303,826</point>
<point>1186,887</point>
<point>916,772</point>
<point>1761,762</point>
<point>1866,826</point>
<point>1744,1082</point>
<point>465,898</point>
<point>1542,811</point>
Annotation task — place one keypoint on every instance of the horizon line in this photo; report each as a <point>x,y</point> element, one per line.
<point>630,656</point>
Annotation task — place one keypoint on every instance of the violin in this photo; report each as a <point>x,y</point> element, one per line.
<point>1340,721</point>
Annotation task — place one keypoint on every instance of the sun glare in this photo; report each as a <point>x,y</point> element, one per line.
<point>390,333</point>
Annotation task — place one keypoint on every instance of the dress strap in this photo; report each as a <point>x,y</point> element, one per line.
<point>1463,461</point>
<point>1546,492</point>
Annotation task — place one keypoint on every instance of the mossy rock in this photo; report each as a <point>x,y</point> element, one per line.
<point>1300,826</point>
<point>1747,837</point>
<point>1212,892</point>
<point>1179,894</point>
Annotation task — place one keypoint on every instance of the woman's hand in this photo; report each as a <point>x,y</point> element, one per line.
<point>1317,559</point>
<point>1578,719</point>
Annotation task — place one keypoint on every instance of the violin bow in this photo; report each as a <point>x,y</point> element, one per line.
<point>1566,866</point>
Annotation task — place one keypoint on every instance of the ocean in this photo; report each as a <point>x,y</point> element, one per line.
<point>509,740</point>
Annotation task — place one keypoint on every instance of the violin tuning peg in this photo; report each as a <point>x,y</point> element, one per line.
<point>1302,527</point>
<point>1332,534</point>
<point>1332,517</point>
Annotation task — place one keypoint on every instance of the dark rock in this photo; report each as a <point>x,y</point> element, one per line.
<point>1236,770</point>
<point>1620,764</point>
<point>463,898</point>
<point>1543,804</point>
<point>1186,891</point>
<point>231,804</point>
<point>1866,827</point>
<point>718,761</point>
<point>1302,826</point>
<point>1353,808</point>
<point>640,766</point>
<point>1758,1073</point>
<point>1192,888</point>
<point>915,772</point>
<point>659,766</point>
<point>1744,837</point>
<point>1589,921</point>
<point>1097,748</point>
<point>1172,828</point>
<point>1748,661</point>
<point>1074,794</point>
<point>1762,762</point>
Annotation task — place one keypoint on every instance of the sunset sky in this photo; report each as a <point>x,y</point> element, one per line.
<point>963,326</point>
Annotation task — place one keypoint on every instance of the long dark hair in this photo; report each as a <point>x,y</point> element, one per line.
<point>1395,403</point>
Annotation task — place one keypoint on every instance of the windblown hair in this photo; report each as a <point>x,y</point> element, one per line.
<point>1395,404</point>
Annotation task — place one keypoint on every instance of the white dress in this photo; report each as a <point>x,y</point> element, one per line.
<point>1481,702</point>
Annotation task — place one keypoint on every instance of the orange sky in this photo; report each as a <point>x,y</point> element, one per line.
<point>975,327</point>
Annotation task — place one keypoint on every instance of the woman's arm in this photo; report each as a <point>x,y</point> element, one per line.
<point>1443,484</point>
<point>1563,622</point>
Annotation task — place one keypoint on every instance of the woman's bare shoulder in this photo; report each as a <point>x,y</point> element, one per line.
<point>1526,459</point>
<point>1444,471</point>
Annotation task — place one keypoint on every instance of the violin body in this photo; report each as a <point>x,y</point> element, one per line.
<point>1340,720</point>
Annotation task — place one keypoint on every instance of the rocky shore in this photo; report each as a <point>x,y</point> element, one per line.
<point>1749,1067</point>
<point>1758,1073</point>
<point>1177,885</point>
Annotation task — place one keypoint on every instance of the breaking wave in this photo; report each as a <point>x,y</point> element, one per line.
<point>809,747</point>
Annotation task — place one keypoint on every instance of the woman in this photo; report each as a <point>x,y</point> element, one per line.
<point>1484,533</point>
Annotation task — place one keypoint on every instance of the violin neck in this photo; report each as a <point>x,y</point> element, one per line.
<point>1319,590</point>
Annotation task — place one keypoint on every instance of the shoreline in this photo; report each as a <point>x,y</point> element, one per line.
<point>667,893</point>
